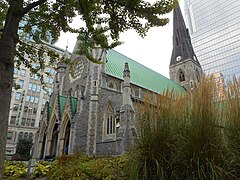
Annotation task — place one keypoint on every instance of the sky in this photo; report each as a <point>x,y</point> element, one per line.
<point>154,51</point>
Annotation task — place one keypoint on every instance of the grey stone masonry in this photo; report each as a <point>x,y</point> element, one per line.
<point>125,134</point>
<point>126,124</point>
<point>81,123</point>
<point>106,96</point>
<point>184,66</point>
<point>126,86</point>
<point>191,70</point>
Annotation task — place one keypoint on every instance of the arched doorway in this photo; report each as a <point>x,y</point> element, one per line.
<point>67,138</point>
<point>53,149</point>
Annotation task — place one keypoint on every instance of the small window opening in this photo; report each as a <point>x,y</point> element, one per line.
<point>181,76</point>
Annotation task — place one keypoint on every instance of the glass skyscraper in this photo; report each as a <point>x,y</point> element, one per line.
<point>214,26</point>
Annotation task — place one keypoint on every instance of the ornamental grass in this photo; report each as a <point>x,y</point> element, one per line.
<point>190,136</point>
<point>232,130</point>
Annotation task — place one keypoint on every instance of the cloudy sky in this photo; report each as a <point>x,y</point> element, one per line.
<point>154,51</point>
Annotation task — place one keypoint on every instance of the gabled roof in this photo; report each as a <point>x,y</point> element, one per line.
<point>74,105</point>
<point>140,74</point>
<point>62,103</point>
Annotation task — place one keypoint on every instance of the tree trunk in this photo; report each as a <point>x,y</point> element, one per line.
<point>8,43</point>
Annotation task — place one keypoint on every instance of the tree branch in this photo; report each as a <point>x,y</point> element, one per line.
<point>7,1</point>
<point>35,24</point>
<point>32,5</point>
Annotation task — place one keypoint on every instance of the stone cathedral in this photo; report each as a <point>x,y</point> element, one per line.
<point>93,109</point>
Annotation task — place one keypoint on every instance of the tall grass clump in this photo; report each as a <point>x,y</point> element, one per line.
<point>232,131</point>
<point>182,137</point>
<point>153,154</point>
<point>200,151</point>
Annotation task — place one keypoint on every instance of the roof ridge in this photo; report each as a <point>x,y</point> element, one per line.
<point>144,66</point>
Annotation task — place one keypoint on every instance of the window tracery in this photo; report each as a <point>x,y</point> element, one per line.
<point>110,123</point>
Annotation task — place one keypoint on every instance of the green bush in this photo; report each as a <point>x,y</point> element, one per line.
<point>83,167</point>
<point>42,169</point>
<point>23,150</point>
<point>80,167</point>
<point>18,169</point>
<point>15,169</point>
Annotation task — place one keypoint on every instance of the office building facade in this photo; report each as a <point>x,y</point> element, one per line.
<point>214,29</point>
<point>27,102</point>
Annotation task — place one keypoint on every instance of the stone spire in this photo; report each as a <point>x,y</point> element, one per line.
<point>182,46</point>
<point>184,66</point>
<point>126,86</point>
<point>61,69</point>
<point>127,123</point>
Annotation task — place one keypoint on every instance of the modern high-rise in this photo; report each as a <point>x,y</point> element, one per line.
<point>28,101</point>
<point>214,27</point>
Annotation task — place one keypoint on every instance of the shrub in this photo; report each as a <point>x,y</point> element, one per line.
<point>23,150</point>
<point>18,169</point>
<point>15,169</point>
<point>42,169</point>
<point>83,167</point>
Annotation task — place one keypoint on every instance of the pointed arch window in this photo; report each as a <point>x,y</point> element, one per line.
<point>181,76</point>
<point>109,123</point>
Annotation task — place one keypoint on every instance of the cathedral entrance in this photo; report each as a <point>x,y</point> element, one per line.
<point>67,137</point>
<point>53,149</point>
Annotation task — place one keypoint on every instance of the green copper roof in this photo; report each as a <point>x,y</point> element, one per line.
<point>140,75</point>
<point>74,104</point>
<point>62,102</point>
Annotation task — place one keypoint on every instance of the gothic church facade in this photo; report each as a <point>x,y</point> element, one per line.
<point>93,109</point>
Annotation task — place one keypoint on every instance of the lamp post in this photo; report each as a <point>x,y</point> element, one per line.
<point>31,164</point>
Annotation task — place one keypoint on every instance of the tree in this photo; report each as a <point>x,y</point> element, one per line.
<point>23,149</point>
<point>23,22</point>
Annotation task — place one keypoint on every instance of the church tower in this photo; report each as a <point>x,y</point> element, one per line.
<point>184,66</point>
